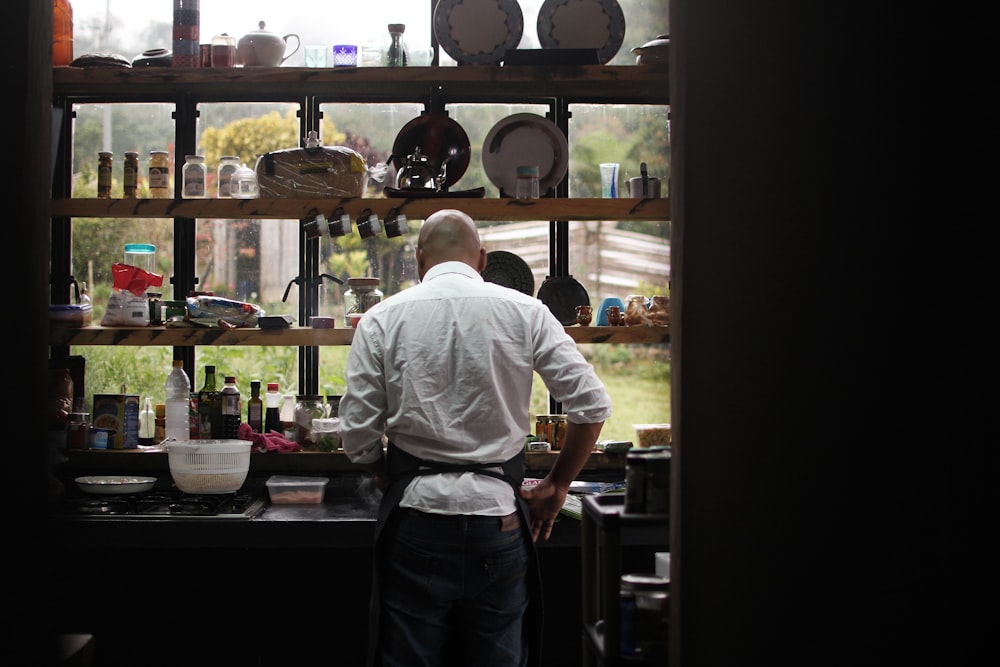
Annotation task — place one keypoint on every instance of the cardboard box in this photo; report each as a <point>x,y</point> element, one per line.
<point>121,413</point>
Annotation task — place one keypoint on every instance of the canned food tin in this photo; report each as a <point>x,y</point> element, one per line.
<point>645,614</point>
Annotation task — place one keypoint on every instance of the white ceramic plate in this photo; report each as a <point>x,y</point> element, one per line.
<point>107,484</point>
<point>582,24</point>
<point>478,32</point>
<point>525,139</point>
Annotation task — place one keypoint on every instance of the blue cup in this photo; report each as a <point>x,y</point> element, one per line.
<point>602,311</point>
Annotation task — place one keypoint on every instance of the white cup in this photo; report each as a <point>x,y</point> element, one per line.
<point>315,55</point>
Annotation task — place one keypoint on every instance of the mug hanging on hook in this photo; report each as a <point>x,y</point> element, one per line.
<point>340,222</point>
<point>368,224</point>
<point>396,223</point>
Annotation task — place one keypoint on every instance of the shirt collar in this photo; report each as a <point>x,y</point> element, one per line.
<point>460,268</point>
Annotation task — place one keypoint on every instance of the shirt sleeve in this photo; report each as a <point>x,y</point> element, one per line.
<point>567,374</point>
<point>363,407</point>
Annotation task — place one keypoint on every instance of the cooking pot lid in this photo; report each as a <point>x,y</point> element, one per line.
<point>507,269</point>
<point>562,294</point>
<point>439,138</point>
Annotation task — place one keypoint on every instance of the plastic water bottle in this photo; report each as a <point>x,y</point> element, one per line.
<point>178,403</point>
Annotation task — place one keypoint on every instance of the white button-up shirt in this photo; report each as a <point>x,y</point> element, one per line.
<point>444,369</point>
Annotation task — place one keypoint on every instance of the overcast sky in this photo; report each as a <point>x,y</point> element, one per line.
<point>316,22</point>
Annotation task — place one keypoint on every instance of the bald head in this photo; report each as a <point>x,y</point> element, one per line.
<point>449,235</point>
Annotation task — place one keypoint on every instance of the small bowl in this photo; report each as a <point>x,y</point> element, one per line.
<point>322,322</point>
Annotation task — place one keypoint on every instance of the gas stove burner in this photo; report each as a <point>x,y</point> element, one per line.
<point>102,506</point>
<point>169,503</point>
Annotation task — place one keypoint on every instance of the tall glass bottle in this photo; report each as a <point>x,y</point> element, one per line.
<point>255,408</point>
<point>207,401</point>
<point>232,409</point>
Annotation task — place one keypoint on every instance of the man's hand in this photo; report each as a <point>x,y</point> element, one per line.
<point>545,499</point>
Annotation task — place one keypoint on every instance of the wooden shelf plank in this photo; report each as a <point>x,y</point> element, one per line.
<point>548,208</point>
<point>297,336</point>
<point>602,84</point>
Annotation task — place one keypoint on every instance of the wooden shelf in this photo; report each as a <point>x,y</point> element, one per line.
<point>601,84</point>
<point>298,336</point>
<point>416,209</point>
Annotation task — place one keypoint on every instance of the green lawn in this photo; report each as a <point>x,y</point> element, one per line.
<point>636,376</point>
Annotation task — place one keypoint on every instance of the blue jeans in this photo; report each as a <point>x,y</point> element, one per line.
<point>453,591</point>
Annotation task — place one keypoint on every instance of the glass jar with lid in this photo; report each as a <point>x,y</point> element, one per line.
<point>195,177</point>
<point>307,408</point>
<point>228,164</point>
<point>361,294</point>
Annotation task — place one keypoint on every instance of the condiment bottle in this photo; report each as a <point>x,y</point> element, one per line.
<point>207,401</point>
<point>287,416</point>
<point>232,409</point>
<point>130,175</point>
<point>194,176</point>
<point>272,409</point>
<point>104,174</point>
<point>255,408</point>
<point>147,424</point>
<point>558,431</point>
<point>159,174</point>
<point>160,422</point>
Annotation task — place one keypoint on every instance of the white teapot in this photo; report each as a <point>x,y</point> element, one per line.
<point>263,48</point>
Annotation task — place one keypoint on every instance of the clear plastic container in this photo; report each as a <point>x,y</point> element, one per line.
<point>142,255</point>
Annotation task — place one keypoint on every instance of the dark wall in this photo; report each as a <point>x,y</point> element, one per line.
<point>781,114</point>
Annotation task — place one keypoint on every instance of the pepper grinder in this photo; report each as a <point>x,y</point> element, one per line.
<point>396,55</point>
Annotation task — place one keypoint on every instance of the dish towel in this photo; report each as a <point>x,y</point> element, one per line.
<point>272,441</point>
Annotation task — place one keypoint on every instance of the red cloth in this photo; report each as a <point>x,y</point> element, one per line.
<point>272,441</point>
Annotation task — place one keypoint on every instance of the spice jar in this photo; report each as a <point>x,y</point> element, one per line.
<point>130,175</point>
<point>194,176</point>
<point>159,174</point>
<point>104,159</point>
<point>558,431</point>
<point>228,164</point>
<point>543,428</point>
<point>361,294</point>
<point>307,408</point>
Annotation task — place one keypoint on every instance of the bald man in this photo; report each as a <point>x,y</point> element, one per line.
<point>443,370</point>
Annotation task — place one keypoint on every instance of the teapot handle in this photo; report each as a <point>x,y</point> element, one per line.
<point>298,43</point>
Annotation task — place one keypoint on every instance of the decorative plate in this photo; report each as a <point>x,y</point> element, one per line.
<point>525,139</point>
<point>478,32</point>
<point>582,24</point>
<point>114,484</point>
<point>562,294</point>
<point>507,269</point>
<point>439,138</point>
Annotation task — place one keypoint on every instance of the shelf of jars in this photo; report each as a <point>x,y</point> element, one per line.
<point>416,208</point>
<point>598,84</point>
<point>299,336</point>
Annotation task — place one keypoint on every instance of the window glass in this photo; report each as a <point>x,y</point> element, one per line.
<point>258,260</point>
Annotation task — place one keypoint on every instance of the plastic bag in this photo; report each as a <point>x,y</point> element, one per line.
<point>213,311</point>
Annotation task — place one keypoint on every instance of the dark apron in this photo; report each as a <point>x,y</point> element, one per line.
<point>402,468</point>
